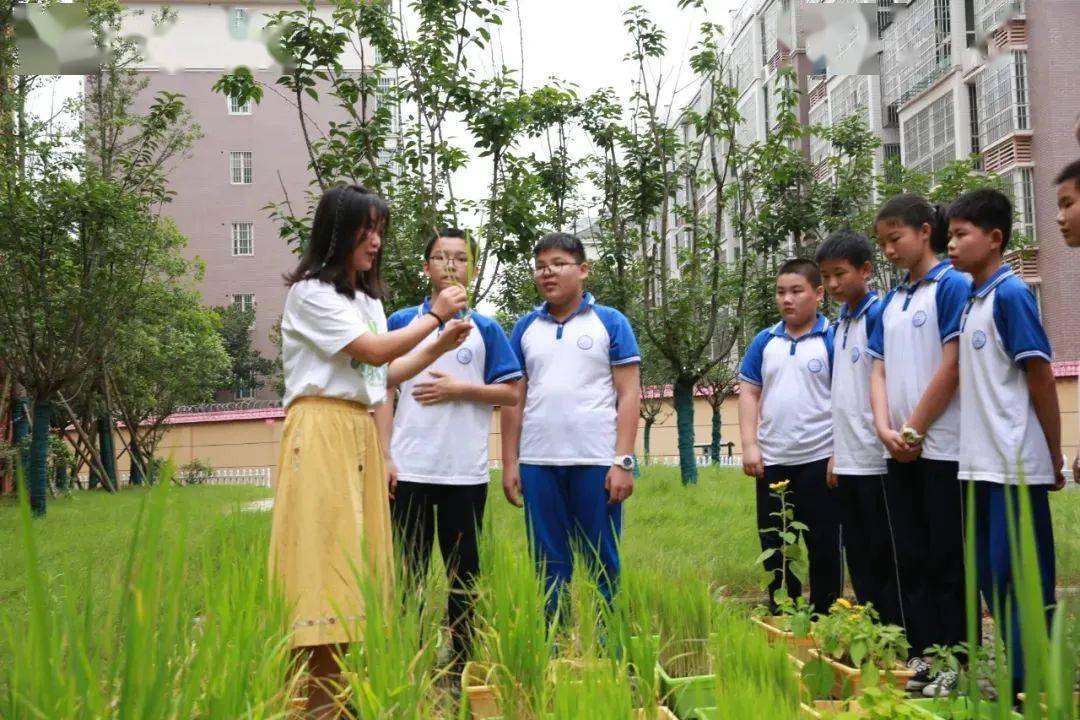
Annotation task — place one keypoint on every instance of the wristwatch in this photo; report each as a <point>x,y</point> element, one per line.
<point>626,462</point>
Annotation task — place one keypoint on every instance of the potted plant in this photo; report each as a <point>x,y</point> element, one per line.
<point>792,626</point>
<point>881,702</point>
<point>854,646</point>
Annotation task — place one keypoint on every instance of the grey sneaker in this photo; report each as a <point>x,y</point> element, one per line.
<point>921,679</point>
<point>943,685</point>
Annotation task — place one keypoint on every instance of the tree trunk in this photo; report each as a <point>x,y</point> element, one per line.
<point>38,482</point>
<point>108,450</point>
<point>648,440</point>
<point>20,422</point>
<point>684,414</point>
<point>714,443</point>
<point>136,461</point>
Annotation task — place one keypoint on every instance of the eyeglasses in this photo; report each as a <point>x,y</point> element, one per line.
<point>448,260</point>
<point>554,268</point>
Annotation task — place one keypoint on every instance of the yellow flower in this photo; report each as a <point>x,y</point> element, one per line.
<point>843,602</point>
<point>782,485</point>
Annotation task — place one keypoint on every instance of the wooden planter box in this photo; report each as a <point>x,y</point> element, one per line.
<point>845,675</point>
<point>797,646</point>
<point>482,699</point>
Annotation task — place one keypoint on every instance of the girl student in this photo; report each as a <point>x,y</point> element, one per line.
<point>331,508</point>
<point>917,417</point>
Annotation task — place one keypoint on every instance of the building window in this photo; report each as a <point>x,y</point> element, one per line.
<point>238,107</point>
<point>991,14</point>
<point>929,139</point>
<point>245,301</point>
<point>916,49</point>
<point>242,240</point>
<point>973,111</point>
<point>240,168</point>
<point>1002,98</point>
<point>238,21</point>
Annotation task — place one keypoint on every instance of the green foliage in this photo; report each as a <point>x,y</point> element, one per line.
<point>196,472</point>
<point>248,369</point>
<point>853,635</point>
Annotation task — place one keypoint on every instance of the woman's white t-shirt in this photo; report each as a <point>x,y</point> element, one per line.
<point>318,323</point>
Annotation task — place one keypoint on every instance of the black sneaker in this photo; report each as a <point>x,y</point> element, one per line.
<point>921,678</point>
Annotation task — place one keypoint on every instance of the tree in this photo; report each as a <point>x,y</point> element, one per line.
<point>691,297</point>
<point>248,370</point>
<point>716,386</point>
<point>180,361</point>
<point>655,379</point>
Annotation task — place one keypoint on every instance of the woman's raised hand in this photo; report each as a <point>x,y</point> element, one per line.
<point>450,302</point>
<point>452,335</point>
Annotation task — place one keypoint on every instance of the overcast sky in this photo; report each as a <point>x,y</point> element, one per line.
<point>577,41</point>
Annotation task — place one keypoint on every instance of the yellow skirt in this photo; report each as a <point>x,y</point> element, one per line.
<point>331,518</point>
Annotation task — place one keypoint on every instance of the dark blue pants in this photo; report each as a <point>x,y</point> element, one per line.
<point>566,509</point>
<point>993,556</point>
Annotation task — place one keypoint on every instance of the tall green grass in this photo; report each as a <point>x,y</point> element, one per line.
<point>159,647</point>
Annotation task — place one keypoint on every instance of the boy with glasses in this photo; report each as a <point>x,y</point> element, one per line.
<point>568,445</point>
<point>436,442</point>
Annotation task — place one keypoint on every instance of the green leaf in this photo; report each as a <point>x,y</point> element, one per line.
<point>818,678</point>
<point>765,555</point>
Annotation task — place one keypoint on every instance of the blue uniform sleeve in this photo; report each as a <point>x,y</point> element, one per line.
<point>515,339</point>
<point>1016,316</point>
<point>830,345</point>
<point>501,364</point>
<point>875,327</point>
<point>400,319</point>
<point>952,294</point>
<point>624,348</point>
<point>750,369</point>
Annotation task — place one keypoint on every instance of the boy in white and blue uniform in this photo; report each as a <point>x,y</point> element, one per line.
<point>568,447</point>
<point>785,419</point>
<point>858,464</point>
<point>1010,433</point>
<point>438,443</point>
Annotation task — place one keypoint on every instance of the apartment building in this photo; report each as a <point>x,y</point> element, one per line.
<point>248,156</point>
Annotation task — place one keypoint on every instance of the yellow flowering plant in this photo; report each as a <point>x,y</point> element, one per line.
<point>792,554</point>
<point>853,635</point>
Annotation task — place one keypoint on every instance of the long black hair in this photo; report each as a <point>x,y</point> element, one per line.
<point>341,212</point>
<point>915,211</point>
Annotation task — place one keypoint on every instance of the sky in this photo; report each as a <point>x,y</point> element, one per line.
<point>582,42</point>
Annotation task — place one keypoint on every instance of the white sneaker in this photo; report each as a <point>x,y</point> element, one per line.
<point>943,685</point>
<point>921,678</point>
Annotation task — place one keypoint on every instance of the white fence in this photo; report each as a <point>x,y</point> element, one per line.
<point>259,476</point>
<point>734,461</point>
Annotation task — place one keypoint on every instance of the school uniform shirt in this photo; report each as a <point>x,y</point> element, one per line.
<point>1001,439</point>
<point>569,416</point>
<point>447,443</point>
<point>856,447</point>
<point>794,374</point>
<point>316,326</point>
<point>916,322</point>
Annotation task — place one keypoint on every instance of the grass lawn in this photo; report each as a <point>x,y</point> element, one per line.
<point>704,531</point>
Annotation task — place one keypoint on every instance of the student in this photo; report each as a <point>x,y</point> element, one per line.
<point>1010,426</point>
<point>786,422</point>
<point>568,445</point>
<point>437,448</point>
<point>1068,217</point>
<point>858,468</point>
<point>917,418</point>
<point>331,511</point>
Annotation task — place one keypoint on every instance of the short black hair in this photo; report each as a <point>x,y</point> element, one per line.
<point>561,241</point>
<point>915,211</point>
<point>986,208</point>
<point>801,266</point>
<point>447,232</point>
<point>846,245</point>
<point>1070,172</point>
